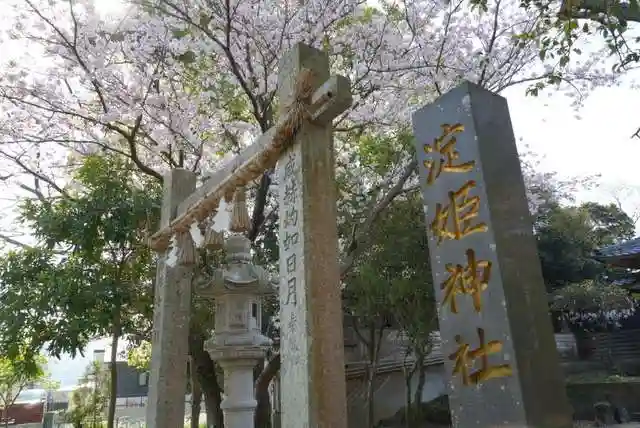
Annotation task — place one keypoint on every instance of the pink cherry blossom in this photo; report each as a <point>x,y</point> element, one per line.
<point>170,83</point>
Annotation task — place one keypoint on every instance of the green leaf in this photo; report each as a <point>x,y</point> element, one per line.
<point>105,274</point>
<point>391,282</point>
<point>17,374</point>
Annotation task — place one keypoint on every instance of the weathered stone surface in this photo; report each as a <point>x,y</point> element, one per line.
<point>172,305</point>
<point>313,391</point>
<point>486,269</point>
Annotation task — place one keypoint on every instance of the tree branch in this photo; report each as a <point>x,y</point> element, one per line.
<point>258,217</point>
<point>37,175</point>
<point>134,152</point>
<point>489,50</point>
<point>358,245</point>
<point>15,242</point>
<point>269,372</point>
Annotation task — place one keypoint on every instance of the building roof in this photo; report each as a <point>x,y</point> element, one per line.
<point>625,254</point>
<point>625,282</point>
<point>24,413</point>
<point>31,396</point>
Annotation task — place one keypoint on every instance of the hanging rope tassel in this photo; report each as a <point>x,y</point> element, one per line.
<point>240,221</point>
<point>186,249</point>
<point>213,240</point>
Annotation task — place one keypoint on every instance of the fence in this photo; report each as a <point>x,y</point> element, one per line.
<point>623,345</point>
<point>90,423</point>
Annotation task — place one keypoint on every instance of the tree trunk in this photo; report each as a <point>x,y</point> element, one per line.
<point>370,379</point>
<point>207,378</point>
<point>408,374</point>
<point>373,348</point>
<point>113,369</point>
<point>215,417</point>
<point>196,397</point>
<point>422,378</point>
<point>262,416</point>
<point>263,412</point>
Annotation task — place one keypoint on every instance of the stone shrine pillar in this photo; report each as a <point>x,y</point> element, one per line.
<point>237,343</point>
<point>500,355</point>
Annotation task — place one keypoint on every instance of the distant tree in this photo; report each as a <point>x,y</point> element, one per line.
<point>88,401</point>
<point>610,224</point>
<point>565,243</point>
<point>91,274</point>
<point>16,375</point>
<point>140,356</point>
<point>407,267</point>
<point>391,287</point>
<point>369,313</point>
<point>567,237</point>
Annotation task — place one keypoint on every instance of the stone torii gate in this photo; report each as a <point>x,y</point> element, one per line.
<point>312,347</point>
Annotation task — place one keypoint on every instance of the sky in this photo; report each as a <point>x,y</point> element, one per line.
<point>68,370</point>
<point>596,140</point>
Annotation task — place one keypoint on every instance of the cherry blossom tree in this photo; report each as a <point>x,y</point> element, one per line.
<point>615,22</point>
<point>186,84</point>
<point>546,189</point>
<point>179,83</point>
<point>567,30</point>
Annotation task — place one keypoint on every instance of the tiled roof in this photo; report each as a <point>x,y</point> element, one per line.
<point>629,248</point>
<point>624,281</point>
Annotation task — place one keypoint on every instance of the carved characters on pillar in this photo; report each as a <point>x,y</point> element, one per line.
<point>291,254</point>
<point>466,357</point>
<point>455,219</point>
<point>471,279</point>
<point>445,154</point>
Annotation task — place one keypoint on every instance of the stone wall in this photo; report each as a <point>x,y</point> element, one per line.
<point>584,395</point>
<point>389,393</point>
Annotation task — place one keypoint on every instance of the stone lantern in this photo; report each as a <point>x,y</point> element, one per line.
<point>237,344</point>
